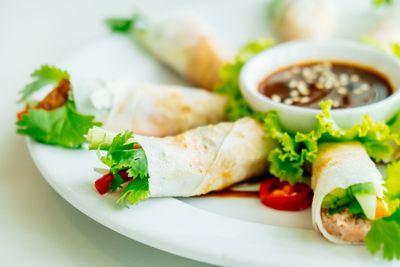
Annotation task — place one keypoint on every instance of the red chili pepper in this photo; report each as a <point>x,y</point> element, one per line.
<point>22,112</point>
<point>102,184</point>
<point>283,196</point>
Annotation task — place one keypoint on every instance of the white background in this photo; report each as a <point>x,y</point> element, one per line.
<point>37,227</point>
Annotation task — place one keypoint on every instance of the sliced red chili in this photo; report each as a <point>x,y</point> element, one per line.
<point>21,113</point>
<point>283,196</point>
<point>103,184</point>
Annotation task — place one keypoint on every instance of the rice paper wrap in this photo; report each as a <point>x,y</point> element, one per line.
<point>207,158</point>
<point>387,31</point>
<point>187,46</point>
<point>340,165</point>
<point>148,109</point>
<point>303,19</point>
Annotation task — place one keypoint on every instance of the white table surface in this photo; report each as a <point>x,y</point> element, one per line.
<point>37,227</point>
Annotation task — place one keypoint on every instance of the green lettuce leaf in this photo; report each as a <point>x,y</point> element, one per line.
<point>382,2</point>
<point>375,136</point>
<point>62,126</point>
<point>394,125</point>
<point>287,161</point>
<point>385,235</point>
<point>237,106</point>
<point>122,155</point>
<point>392,181</point>
<point>45,75</point>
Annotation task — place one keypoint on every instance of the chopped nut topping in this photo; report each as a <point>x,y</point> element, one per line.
<point>276,98</point>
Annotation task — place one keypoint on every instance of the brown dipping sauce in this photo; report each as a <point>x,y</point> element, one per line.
<point>307,84</point>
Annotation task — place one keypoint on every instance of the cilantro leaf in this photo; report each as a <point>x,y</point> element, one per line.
<point>63,126</point>
<point>137,190</point>
<point>237,106</point>
<point>45,75</point>
<point>385,235</point>
<point>119,24</point>
<point>122,155</point>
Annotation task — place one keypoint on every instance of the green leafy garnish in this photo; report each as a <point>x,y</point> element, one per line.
<point>382,2</point>
<point>45,75</point>
<point>125,24</point>
<point>288,159</point>
<point>385,235</point>
<point>62,126</point>
<point>137,190</point>
<point>122,155</point>
<point>295,150</point>
<point>393,48</point>
<point>237,106</point>
<point>392,181</point>
<point>396,49</point>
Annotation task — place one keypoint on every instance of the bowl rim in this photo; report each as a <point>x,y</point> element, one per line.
<point>341,44</point>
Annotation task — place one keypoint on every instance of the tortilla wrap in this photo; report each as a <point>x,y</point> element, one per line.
<point>187,46</point>
<point>291,19</point>
<point>340,165</point>
<point>206,159</point>
<point>146,109</point>
<point>387,31</point>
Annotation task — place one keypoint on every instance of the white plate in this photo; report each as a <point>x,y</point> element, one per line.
<point>223,231</point>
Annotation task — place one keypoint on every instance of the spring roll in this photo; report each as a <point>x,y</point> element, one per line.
<point>187,46</point>
<point>387,31</point>
<point>302,19</point>
<point>201,160</point>
<point>343,175</point>
<point>148,109</point>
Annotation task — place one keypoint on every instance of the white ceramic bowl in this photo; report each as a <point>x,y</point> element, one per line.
<point>294,118</point>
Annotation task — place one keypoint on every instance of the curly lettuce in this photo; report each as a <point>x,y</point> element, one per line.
<point>287,161</point>
<point>237,106</point>
<point>63,126</point>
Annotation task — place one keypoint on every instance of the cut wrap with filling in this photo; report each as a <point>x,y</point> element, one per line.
<point>196,162</point>
<point>187,46</point>
<point>148,109</point>
<point>344,169</point>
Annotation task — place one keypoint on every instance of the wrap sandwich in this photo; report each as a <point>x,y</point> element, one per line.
<point>387,32</point>
<point>347,189</point>
<point>69,110</point>
<point>185,44</point>
<point>193,163</point>
<point>148,109</point>
<point>302,19</point>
